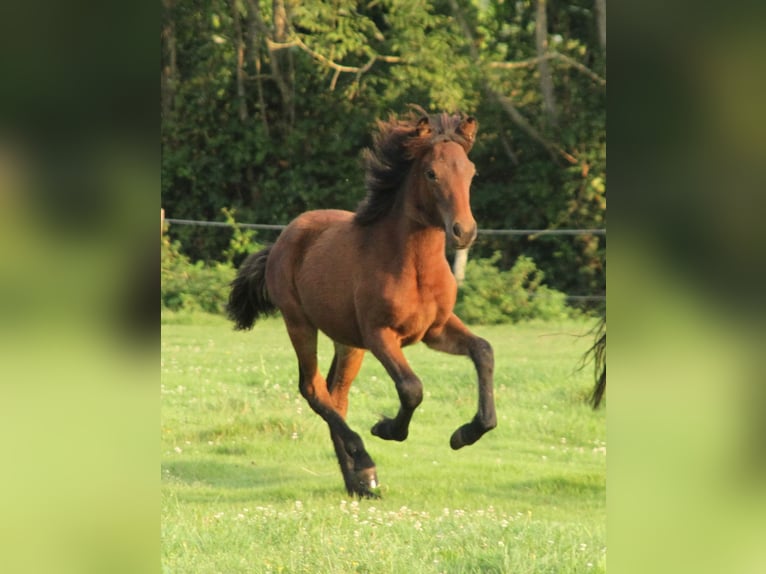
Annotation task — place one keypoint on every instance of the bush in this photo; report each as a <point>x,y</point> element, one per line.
<point>491,296</point>
<point>193,286</point>
<point>199,286</point>
<point>242,242</point>
<point>488,295</point>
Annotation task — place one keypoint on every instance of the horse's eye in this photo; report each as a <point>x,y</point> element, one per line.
<point>430,174</point>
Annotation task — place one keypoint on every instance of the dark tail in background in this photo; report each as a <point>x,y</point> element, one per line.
<point>249,298</point>
<point>598,351</point>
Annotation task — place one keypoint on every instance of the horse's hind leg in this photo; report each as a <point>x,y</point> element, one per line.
<point>313,387</point>
<point>456,339</point>
<point>345,366</point>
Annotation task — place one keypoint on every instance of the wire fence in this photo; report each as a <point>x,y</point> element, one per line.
<point>277,227</point>
<point>511,232</point>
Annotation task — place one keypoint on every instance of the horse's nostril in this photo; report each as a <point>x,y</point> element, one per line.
<point>457,230</point>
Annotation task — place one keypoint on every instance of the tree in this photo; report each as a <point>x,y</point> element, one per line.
<point>267,105</point>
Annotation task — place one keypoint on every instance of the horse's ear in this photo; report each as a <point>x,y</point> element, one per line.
<point>423,127</point>
<point>468,128</point>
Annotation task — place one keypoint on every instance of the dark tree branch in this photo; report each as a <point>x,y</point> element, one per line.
<point>506,103</point>
<point>530,62</point>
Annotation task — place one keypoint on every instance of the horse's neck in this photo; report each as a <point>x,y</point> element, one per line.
<point>426,241</point>
<point>411,239</point>
<point>411,243</point>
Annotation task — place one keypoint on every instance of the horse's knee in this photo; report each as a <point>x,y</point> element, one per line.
<point>410,392</point>
<point>482,349</point>
<point>482,353</point>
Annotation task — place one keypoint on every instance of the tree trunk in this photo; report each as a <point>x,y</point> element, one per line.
<point>255,29</point>
<point>504,101</point>
<point>169,73</point>
<point>546,81</point>
<point>240,43</point>
<point>281,62</point>
<point>601,22</point>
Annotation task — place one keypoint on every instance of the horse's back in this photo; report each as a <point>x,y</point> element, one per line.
<point>307,239</point>
<point>319,220</point>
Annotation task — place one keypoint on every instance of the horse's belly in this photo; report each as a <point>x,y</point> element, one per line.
<point>310,271</point>
<point>325,289</point>
<point>336,319</point>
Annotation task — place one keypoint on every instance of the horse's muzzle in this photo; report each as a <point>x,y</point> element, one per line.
<point>462,236</point>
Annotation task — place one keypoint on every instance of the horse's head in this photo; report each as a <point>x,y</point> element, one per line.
<point>445,174</point>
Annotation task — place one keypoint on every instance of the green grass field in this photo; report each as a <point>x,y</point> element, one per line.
<point>250,482</point>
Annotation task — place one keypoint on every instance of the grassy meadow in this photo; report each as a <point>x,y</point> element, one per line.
<point>250,482</point>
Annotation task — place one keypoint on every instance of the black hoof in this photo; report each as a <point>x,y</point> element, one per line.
<point>457,441</point>
<point>468,434</point>
<point>366,484</point>
<point>387,430</point>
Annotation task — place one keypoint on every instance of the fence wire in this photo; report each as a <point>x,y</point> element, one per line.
<point>517,232</point>
<point>277,227</point>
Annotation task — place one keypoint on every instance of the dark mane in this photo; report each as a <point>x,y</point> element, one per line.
<point>396,146</point>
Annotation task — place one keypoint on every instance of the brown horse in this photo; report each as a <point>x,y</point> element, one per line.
<point>377,280</point>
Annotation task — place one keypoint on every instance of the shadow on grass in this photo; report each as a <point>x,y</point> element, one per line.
<point>576,487</point>
<point>208,479</point>
<point>221,474</point>
<point>542,491</point>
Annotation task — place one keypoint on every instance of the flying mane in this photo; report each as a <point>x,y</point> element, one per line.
<point>396,146</point>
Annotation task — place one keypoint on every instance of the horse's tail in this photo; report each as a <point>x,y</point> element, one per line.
<point>249,297</point>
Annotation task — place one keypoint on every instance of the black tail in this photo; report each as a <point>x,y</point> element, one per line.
<point>249,298</point>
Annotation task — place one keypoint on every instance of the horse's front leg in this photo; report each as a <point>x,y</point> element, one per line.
<point>456,339</point>
<point>386,346</point>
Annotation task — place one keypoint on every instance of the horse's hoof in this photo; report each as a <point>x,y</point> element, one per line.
<point>371,494</point>
<point>464,436</point>
<point>383,429</point>
<point>456,440</point>
<point>367,483</point>
<point>469,433</point>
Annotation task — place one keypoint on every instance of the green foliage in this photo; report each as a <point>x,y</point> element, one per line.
<point>242,241</point>
<point>201,286</point>
<point>192,286</point>
<point>273,132</point>
<point>490,296</point>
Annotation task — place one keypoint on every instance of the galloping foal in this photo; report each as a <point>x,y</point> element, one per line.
<point>377,280</point>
